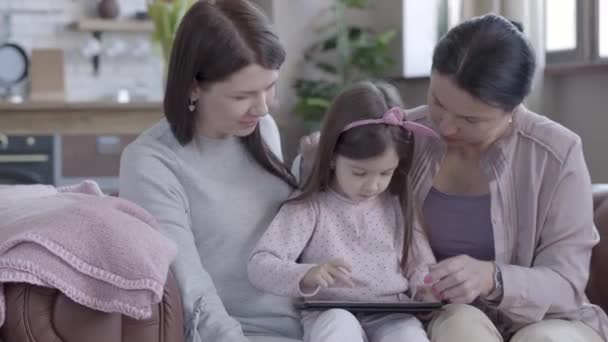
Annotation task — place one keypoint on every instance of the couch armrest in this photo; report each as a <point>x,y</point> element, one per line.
<point>39,314</point>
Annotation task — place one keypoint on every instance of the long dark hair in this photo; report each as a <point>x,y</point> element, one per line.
<point>213,41</point>
<point>490,58</point>
<point>364,100</point>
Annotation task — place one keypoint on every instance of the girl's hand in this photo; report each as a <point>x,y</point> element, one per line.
<point>461,279</point>
<point>335,273</point>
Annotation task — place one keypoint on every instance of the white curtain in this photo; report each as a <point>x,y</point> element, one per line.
<point>530,13</point>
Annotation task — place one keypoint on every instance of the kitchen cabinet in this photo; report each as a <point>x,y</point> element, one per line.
<point>95,118</point>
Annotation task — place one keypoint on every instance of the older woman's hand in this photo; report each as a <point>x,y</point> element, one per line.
<point>461,279</point>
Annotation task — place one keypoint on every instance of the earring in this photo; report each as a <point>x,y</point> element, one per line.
<point>192,105</point>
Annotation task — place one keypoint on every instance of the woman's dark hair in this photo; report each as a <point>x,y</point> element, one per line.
<point>490,58</point>
<point>360,101</point>
<point>214,40</point>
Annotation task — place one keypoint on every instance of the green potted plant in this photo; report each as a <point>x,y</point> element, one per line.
<point>345,54</point>
<point>166,16</point>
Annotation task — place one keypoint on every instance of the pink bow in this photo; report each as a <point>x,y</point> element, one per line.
<point>395,117</point>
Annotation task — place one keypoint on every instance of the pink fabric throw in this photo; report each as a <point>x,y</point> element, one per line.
<point>102,252</point>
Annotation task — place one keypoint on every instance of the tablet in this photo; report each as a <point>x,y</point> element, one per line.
<point>370,307</point>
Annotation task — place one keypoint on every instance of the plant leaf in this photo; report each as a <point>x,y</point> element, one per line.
<point>345,53</point>
<point>317,102</point>
<point>360,4</point>
<point>386,37</point>
<point>166,17</point>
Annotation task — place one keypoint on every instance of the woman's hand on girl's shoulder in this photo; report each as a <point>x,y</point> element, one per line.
<point>308,149</point>
<point>309,143</point>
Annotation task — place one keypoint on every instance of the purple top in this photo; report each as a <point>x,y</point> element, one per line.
<point>458,224</point>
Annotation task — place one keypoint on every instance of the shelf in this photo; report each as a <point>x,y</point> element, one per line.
<point>98,26</point>
<point>112,25</point>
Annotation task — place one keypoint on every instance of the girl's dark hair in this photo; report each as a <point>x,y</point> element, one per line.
<point>490,58</point>
<point>213,41</point>
<point>364,100</point>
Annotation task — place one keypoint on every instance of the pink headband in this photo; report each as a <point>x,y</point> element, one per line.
<point>395,117</point>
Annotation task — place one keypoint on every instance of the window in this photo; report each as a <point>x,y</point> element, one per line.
<point>576,31</point>
<point>561,25</point>
<point>449,15</point>
<point>603,28</point>
<point>420,33</point>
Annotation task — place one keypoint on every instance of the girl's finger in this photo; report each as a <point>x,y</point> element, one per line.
<point>321,281</point>
<point>342,276</point>
<point>329,280</point>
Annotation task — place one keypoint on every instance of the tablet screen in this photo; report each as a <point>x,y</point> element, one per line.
<point>370,306</point>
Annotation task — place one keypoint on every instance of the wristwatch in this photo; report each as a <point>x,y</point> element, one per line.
<point>495,296</point>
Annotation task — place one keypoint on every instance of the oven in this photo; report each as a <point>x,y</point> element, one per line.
<point>27,159</point>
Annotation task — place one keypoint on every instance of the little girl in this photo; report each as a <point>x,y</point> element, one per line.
<point>351,234</point>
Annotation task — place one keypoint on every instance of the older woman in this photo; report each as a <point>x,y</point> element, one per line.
<point>505,196</point>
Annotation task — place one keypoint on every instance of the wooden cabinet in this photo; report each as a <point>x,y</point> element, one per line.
<point>81,156</point>
<point>78,118</point>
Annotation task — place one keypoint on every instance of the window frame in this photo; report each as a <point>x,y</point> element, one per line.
<point>596,32</point>
<point>587,38</point>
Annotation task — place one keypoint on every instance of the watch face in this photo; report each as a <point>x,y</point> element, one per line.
<point>13,64</point>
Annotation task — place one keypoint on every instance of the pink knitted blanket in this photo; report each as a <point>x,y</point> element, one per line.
<point>102,252</point>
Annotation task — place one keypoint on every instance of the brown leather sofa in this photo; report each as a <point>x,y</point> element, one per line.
<point>597,289</point>
<point>39,314</point>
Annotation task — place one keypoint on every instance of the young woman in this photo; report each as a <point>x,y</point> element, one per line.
<point>211,171</point>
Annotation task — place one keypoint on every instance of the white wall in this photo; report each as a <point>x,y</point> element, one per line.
<point>297,22</point>
<point>140,75</point>
<point>580,102</point>
<point>293,21</point>
<point>413,91</point>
